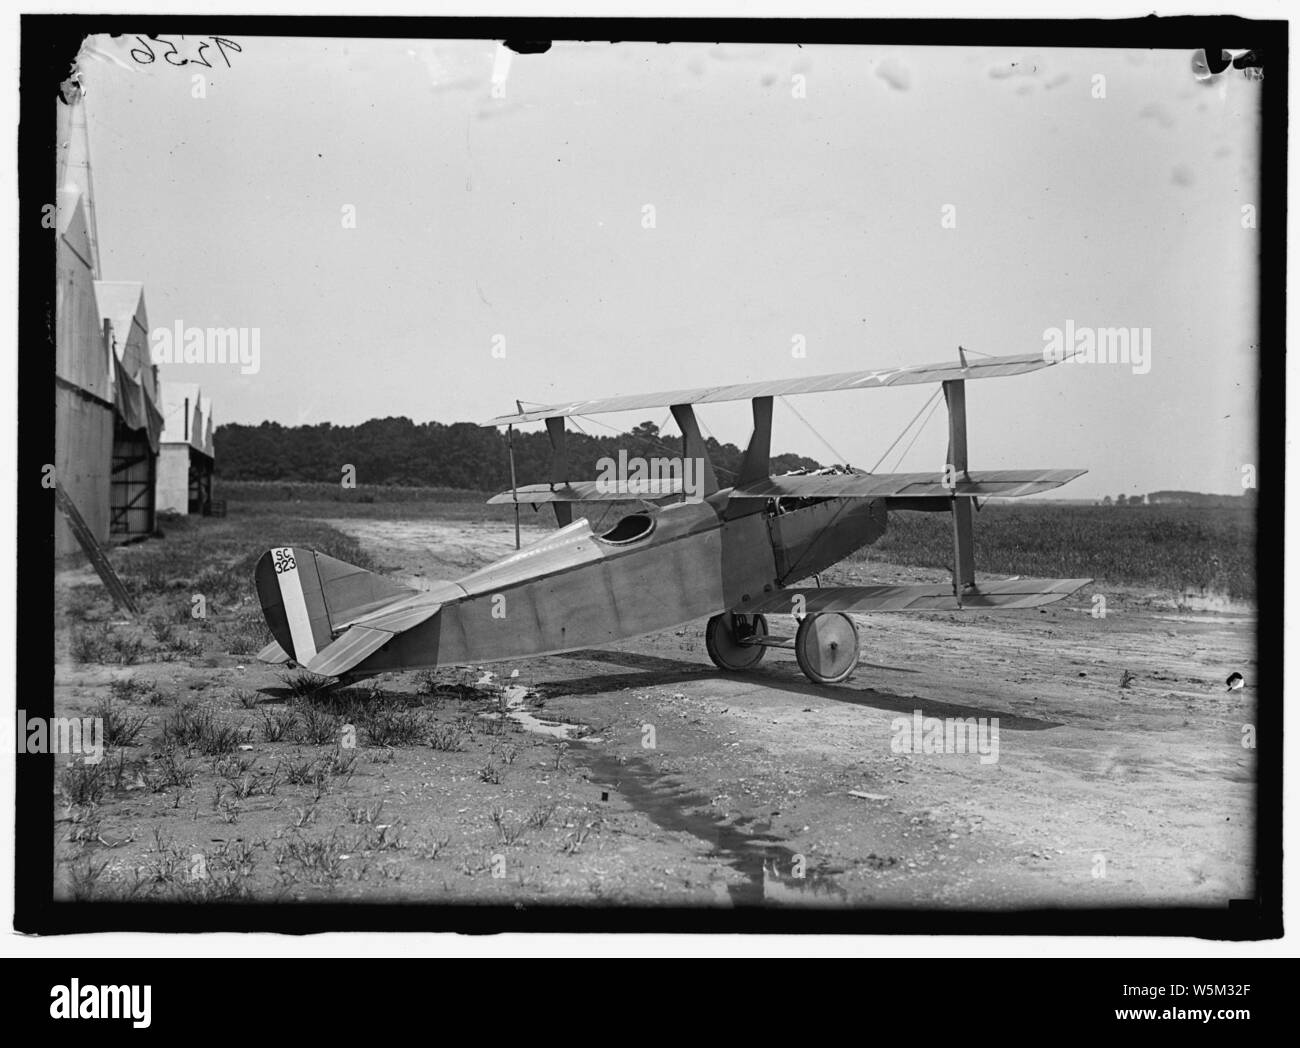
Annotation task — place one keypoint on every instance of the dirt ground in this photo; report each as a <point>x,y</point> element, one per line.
<point>1101,793</point>
<point>640,774</point>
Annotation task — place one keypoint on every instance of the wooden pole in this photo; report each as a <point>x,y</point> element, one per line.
<point>94,551</point>
<point>514,487</point>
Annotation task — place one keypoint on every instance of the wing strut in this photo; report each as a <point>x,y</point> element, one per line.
<point>963,568</point>
<point>758,453</point>
<point>514,484</point>
<point>559,468</point>
<point>693,446</point>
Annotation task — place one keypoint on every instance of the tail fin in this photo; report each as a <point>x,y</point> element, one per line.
<point>308,597</point>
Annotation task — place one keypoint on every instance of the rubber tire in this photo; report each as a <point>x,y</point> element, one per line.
<point>823,650</point>
<point>725,652</point>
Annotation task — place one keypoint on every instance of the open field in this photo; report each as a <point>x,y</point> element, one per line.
<point>327,499</point>
<point>1120,775</point>
<point>1186,551</point>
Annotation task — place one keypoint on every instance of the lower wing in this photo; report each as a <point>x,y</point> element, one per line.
<point>1011,593</point>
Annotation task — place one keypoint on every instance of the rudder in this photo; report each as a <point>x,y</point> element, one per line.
<point>308,597</point>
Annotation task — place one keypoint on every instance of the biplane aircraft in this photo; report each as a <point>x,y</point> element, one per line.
<point>733,554</point>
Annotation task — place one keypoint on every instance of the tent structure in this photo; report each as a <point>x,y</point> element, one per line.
<point>138,418</point>
<point>124,447</point>
<point>186,458</point>
<point>84,368</point>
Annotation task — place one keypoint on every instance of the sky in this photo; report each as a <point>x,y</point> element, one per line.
<point>436,228</point>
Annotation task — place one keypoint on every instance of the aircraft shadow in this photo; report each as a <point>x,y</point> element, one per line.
<point>657,670</point>
<point>744,844</point>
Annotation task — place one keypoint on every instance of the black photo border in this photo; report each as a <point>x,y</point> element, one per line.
<point>49,44</point>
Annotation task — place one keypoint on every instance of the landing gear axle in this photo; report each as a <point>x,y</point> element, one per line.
<point>826,646</point>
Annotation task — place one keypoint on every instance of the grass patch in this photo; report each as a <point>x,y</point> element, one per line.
<point>317,726</point>
<point>304,685</point>
<point>447,738</point>
<point>83,783</point>
<point>130,689</point>
<point>197,728</point>
<point>119,728</point>
<point>394,726</point>
<point>277,726</point>
<point>507,832</point>
<point>102,645</point>
<point>166,771</point>
<point>246,634</point>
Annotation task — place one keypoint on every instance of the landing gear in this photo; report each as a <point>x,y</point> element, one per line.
<point>725,638</point>
<point>827,647</point>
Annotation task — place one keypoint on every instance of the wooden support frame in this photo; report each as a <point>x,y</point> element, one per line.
<point>133,483</point>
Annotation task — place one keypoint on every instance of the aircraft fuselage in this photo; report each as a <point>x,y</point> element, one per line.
<point>654,570</point>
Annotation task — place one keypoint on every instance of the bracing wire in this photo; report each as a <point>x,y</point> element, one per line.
<point>904,430</point>
<point>835,454</point>
<point>919,430</point>
<point>660,445</point>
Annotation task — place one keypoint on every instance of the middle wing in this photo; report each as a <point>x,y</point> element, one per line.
<point>591,491</point>
<point>1000,483</point>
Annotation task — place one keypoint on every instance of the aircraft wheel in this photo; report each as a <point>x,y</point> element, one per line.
<point>723,643</point>
<point>827,647</point>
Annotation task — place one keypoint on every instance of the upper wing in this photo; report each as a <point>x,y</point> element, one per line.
<point>1012,593</point>
<point>948,371</point>
<point>1002,483</point>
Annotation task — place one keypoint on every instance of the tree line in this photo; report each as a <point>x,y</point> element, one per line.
<point>1180,498</point>
<point>435,454</point>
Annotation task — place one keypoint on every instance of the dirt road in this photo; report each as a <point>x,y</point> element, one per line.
<point>1113,769</point>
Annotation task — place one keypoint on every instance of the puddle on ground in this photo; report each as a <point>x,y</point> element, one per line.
<point>515,695</point>
<point>766,863</point>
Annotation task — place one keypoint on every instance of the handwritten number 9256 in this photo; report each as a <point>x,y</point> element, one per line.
<point>144,54</point>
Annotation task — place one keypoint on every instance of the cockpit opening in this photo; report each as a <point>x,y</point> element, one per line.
<point>632,527</point>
